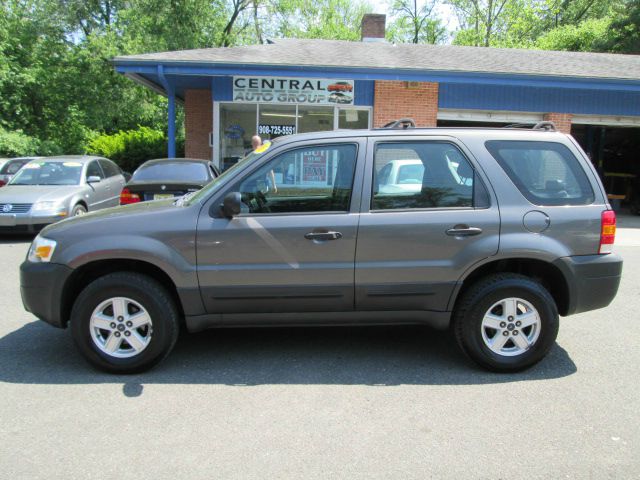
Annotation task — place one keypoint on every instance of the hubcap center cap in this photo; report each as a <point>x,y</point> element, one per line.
<point>121,327</point>
<point>511,326</point>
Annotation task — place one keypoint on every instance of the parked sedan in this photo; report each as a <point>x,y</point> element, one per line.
<point>167,178</point>
<point>50,189</point>
<point>11,166</point>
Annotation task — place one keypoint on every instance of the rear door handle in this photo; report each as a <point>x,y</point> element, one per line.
<point>323,236</point>
<point>463,231</point>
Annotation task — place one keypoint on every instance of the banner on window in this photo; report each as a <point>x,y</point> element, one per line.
<point>314,166</point>
<point>309,91</point>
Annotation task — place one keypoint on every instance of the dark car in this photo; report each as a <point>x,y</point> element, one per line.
<point>509,230</point>
<point>167,178</point>
<point>10,168</point>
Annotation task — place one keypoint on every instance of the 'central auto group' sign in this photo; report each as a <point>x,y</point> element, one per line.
<point>293,90</point>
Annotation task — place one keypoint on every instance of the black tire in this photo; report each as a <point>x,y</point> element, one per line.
<point>476,302</point>
<point>79,209</point>
<point>147,292</point>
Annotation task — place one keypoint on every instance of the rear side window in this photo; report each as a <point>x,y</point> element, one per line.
<point>546,173</point>
<point>424,174</point>
<point>110,168</point>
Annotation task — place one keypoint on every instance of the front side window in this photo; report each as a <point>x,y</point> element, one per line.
<point>424,175</point>
<point>546,173</point>
<point>309,179</point>
<point>94,170</point>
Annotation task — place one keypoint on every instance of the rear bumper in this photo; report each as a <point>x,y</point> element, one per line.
<point>41,287</point>
<point>593,280</point>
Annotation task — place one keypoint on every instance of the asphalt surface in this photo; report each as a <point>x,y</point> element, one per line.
<point>322,403</point>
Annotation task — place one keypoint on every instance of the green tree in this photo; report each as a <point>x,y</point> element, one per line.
<point>415,22</point>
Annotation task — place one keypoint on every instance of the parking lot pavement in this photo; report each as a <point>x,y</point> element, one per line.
<point>321,403</point>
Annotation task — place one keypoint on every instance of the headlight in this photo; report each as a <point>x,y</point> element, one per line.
<point>41,250</point>
<point>47,206</point>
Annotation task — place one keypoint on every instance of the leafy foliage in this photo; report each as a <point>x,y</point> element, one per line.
<point>132,147</point>
<point>415,22</point>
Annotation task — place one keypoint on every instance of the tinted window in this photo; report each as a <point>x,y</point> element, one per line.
<point>424,175</point>
<point>48,173</point>
<point>172,172</point>
<point>110,169</point>
<point>313,179</point>
<point>12,167</point>
<point>94,170</point>
<point>546,173</point>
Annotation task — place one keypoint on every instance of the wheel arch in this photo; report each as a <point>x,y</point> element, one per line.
<point>546,273</point>
<point>87,273</point>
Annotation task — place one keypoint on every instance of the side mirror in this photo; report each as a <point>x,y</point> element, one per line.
<point>93,179</point>
<point>231,205</point>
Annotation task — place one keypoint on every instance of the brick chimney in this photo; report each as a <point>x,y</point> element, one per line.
<point>373,26</point>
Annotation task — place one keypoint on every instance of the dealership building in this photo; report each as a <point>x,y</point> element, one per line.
<point>295,86</point>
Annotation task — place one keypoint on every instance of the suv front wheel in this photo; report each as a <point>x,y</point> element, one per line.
<point>124,322</point>
<point>506,322</point>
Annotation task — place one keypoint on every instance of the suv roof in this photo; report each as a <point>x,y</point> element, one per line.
<point>504,133</point>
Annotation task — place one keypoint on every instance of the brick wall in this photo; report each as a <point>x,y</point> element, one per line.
<point>198,123</point>
<point>562,121</point>
<point>396,99</point>
<point>373,26</point>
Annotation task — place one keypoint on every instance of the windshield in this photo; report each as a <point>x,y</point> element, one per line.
<point>209,188</point>
<point>48,173</point>
<point>172,172</point>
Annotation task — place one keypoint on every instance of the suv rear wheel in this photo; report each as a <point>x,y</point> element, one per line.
<point>506,322</point>
<point>124,323</point>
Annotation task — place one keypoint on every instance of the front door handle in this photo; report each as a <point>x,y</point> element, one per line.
<point>462,230</point>
<point>323,236</point>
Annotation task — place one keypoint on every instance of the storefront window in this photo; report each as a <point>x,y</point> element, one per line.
<point>240,121</point>
<point>352,118</point>
<point>315,119</point>
<point>276,121</point>
<point>237,126</point>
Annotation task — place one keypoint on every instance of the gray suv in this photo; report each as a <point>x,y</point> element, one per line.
<point>507,230</point>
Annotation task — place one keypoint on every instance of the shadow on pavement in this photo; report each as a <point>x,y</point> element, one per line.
<point>379,356</point>
<point>6,239</point>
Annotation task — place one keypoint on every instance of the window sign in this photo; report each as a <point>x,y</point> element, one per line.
<point>314,166</point>
<point>276,130</point>
<point>293,90</point>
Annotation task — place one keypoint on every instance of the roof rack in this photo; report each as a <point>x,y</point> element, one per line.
<point>401,123</point>
<point>545,125</point>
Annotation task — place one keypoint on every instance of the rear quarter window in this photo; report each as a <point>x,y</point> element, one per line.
<point>546,173</point>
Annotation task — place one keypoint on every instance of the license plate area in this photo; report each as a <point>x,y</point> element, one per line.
<point>162,196</point>
<point>7,220</point>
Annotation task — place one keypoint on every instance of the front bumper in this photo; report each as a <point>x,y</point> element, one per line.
<point>41,286</point>
<point>26,222</point>
<point>593,280</point>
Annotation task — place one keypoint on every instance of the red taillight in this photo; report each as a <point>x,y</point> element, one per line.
<point>126,197</point>
<point>2,183</point>
<point>607,231</point>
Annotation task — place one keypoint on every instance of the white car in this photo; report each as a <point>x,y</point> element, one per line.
<point>400,176</point>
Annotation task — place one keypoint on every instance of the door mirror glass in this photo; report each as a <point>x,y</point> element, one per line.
<point>231,205</point>
<point>93,179</point>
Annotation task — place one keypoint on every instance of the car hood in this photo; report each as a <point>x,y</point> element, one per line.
<point>135,218</point>
<point>35,193</point>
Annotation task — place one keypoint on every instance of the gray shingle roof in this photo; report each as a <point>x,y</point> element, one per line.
<point>335,53</point>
